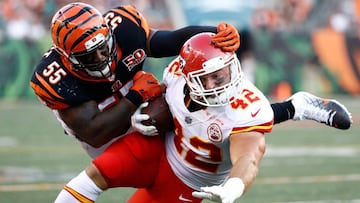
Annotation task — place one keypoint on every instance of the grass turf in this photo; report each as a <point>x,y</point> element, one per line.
<point>305,161</point>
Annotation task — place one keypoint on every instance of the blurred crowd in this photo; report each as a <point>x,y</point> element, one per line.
<point>24,25</point>
<point>29,19</point>
<point>307,15</point>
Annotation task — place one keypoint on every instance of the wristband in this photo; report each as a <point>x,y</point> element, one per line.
<point>134,97</point>
<point>235,184</point>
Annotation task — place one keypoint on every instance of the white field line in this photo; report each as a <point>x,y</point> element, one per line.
<point>31,187</point>
<point>312,151</point>
<point>272,152</point>
<point>308,179</point>
<point>326,201</point>
<point>277,180</point>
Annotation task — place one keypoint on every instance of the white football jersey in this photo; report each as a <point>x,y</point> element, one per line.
<point>198,149</point>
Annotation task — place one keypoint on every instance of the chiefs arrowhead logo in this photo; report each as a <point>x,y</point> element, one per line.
<point>214,132</point>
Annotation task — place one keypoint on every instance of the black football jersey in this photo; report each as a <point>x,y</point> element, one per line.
<point>59,87</point>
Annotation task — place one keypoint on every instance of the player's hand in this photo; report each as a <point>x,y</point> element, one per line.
<point>138,117</point>
<point>226,193</point>
<point>146,85</point>
<point>227,37</point>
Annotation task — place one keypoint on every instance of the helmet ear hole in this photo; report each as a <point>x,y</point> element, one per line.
<point>200,59</point>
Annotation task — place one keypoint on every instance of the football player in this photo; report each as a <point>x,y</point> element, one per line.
<point>92,76</point>
<point>215,150</point>
<point>92,80</point>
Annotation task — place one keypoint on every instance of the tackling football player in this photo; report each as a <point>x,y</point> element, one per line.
<point>92,80</point>
<point>92,76</point>
<point>215,150</point>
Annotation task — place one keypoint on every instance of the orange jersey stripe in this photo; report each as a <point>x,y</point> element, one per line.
<point>47,86</point>
<point>47,99</point>
<point>39,91</point>
<point>132,14</point>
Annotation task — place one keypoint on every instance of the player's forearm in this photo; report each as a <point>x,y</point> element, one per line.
<point>246,159</point>
<point>165,43</point>
<point>111,123</point>
<point>96,127</point>
<point>246,169</point>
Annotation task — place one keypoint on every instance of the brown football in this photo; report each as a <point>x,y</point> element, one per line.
<point>160,115</point>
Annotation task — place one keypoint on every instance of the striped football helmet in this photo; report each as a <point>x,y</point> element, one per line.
<point>80,33</point>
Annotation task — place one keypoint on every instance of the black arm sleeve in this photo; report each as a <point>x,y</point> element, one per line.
<point>169,42</point>
<point>283,111</point>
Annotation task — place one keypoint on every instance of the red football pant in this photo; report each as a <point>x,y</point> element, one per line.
<point>140,161</point>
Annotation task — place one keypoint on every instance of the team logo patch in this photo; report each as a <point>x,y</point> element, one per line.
<point>214,132</point>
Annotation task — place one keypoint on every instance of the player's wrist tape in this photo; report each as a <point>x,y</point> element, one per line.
<point>134,97</point>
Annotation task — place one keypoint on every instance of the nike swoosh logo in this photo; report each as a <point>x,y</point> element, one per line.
<point>255,113</point>
<point>181,198</point>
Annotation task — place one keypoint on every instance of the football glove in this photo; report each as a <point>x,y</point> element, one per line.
<point>138,117</point>
<point>226,193</point>
<point>227,37</point>
<point>145,87</point>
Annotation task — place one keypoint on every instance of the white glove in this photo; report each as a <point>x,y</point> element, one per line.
<point>226,193</point>
<point>138,117</point>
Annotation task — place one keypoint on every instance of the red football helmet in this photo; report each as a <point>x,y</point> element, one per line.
<point>199,57</point>
<point>80,33</point>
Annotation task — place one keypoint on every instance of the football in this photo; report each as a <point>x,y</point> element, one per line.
<point>160,115</point>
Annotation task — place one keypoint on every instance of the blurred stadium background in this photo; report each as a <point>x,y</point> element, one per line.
<point>288,45</point>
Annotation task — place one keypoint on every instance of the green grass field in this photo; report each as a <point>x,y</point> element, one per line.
<point>304,162</point>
